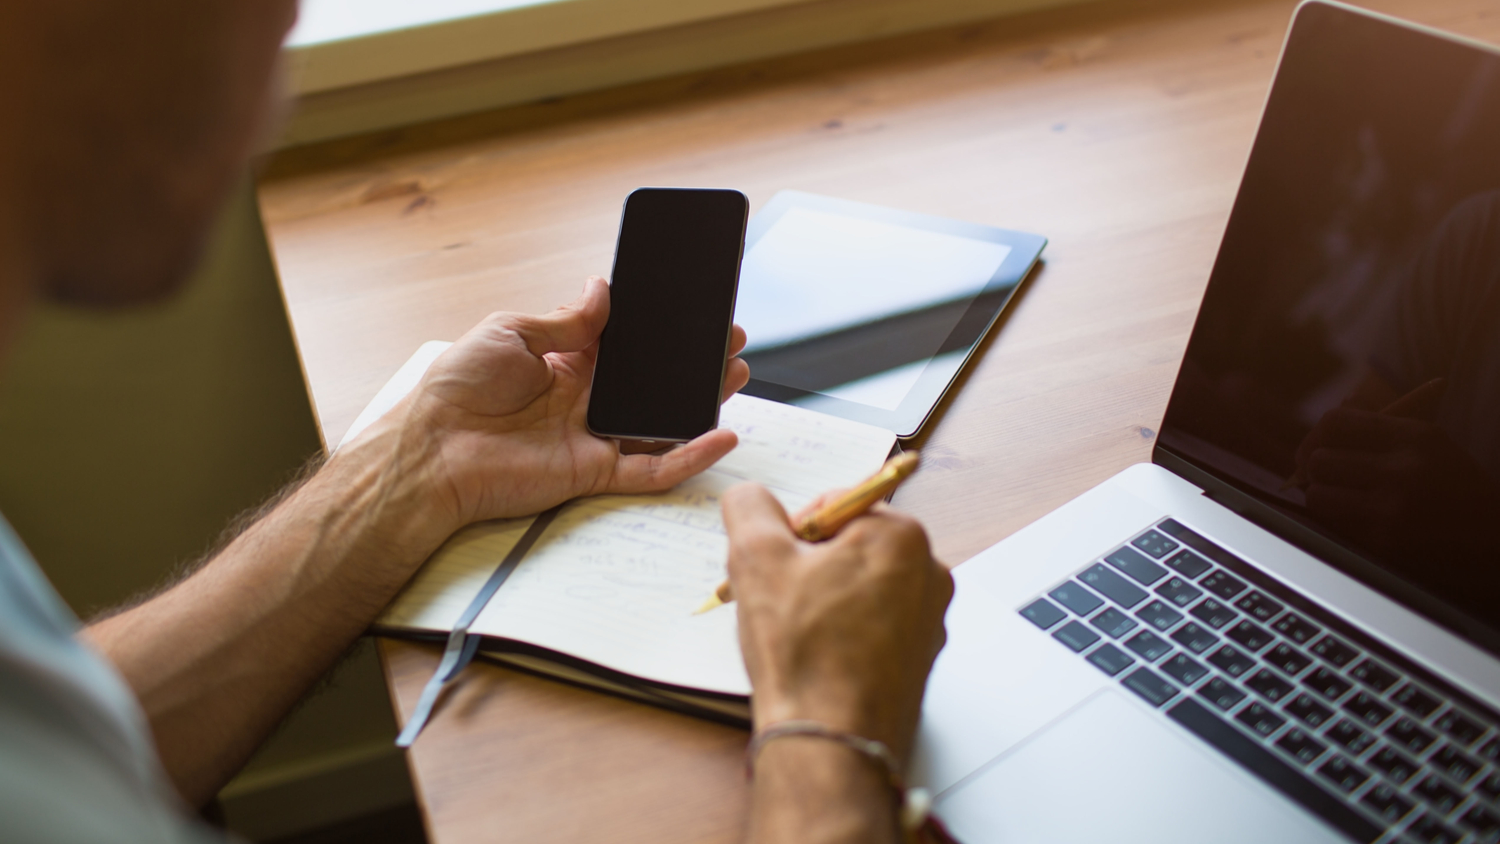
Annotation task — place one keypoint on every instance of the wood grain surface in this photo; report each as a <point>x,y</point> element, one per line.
<point>1118,130</point>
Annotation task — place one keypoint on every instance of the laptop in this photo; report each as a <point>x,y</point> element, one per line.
<point>1286,627</point>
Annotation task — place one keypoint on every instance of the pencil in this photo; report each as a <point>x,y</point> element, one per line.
<point>1404,406</point>
<point>828,519</point>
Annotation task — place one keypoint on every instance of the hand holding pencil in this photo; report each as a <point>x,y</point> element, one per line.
<point>825,521</point>
<point>842,631</point>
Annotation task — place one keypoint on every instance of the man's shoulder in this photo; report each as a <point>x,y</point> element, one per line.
<point>59,787</point>
<point>77,763</point>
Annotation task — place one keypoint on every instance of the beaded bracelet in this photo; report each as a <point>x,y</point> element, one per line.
<point>916,803</point>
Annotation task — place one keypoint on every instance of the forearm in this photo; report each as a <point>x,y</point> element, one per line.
<point>813,791</point>
<point>219,659</point>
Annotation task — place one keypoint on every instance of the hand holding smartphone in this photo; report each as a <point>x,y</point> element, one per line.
<point>660,366</point>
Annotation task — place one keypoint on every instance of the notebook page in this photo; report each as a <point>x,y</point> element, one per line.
<point>615,579</point>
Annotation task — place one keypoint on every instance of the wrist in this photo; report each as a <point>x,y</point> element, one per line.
<point>389,479</point>
<point>808,789</point>
<point>839,706</point>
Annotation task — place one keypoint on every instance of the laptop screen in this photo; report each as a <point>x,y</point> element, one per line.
<point>1344,370</point>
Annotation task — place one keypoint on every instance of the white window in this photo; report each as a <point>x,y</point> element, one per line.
<point>343,43</point>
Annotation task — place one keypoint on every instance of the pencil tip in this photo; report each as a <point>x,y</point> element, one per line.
<point>712,602</point>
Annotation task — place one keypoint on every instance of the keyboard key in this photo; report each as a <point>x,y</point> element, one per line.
<point>1411,698</point>
<point>1075,636</point>
<point>1483,821</point>
<point>1213,613</point>
<point>1326,683</point>
<point>1456,766</point>
<point>1344,775</point>
<point>1194,638</point>
<point>1258,606</point>
<point>1489,786</point>
<point>1110,659</point>
<point>1462,728</point>
<point>1438,794</point>
<point>1393,765</point>
<point>1374,675</point>
<point>1149,646</point>
<point>1189,564</point>
<point>1152,689</point>
<point>1076,598</point>
<point>1301,745</point>
<point>1367,708</point>
<point>1491,749</point>
<point>1043,613</point>
<point>1178,591</point>
<point>1348,734</point>
<point>1407,734</point>
<point>1159,615</point>
<point>1334,651</point>
<point>1221,694</point>
<point>1287,659</point>
<point>1296,628</point>
<point>1112,586</point>
<point>1430,830</point>
<point>1139,568</point>
<point>1387,802</point>
<point>1223,584</point>
<point>1307,709</point>
<point>1272,768</point>
<point>1199,543</point>
<point>1260,719</point>
<point>1269,686</point>
<point>1183,670</point>
<point>1231,660</point>
<point>1154,543</point>
<point>1251,636</point>
<point>1114,623</point>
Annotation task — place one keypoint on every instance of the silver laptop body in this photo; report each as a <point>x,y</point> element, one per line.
<point>1286,627</point>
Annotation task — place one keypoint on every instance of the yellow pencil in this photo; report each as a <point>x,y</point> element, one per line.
<point>828,519</point>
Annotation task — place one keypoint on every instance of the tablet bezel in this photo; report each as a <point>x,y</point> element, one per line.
<point>908,419</point>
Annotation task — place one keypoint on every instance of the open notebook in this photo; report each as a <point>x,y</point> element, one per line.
<point>605,597</point>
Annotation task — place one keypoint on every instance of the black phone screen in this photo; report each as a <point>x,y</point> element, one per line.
<point>661,358</point>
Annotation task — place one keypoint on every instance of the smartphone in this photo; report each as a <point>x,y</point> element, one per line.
<point>660,367</point>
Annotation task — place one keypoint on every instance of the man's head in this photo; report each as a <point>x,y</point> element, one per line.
<point>123,123</point>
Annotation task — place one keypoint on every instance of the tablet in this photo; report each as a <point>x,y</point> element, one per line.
<point>870,313</point>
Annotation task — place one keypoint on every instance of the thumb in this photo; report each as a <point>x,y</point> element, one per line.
<point>570,328</point>
<point>817,504</point>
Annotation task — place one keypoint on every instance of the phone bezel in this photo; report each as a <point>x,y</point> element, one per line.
<point>627,436</point>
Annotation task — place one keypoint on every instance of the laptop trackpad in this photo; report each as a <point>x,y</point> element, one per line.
<point>1110,768</point>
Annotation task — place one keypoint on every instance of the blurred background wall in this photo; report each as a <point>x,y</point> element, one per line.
<point>127,442</point>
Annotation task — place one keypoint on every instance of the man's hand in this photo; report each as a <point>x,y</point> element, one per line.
<point>498,422</point>
<point>496,428</point>
<point>841,632</point>
<point>844,631</point>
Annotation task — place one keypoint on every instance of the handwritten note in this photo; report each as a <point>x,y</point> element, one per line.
<point>615,578</point>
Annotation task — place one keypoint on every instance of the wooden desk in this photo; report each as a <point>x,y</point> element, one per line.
<point>1118,130</point>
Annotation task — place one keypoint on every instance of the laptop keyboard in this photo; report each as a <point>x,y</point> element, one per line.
<point>1374,744</point>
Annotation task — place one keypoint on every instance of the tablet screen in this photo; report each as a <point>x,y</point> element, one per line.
<point>865,312</point>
